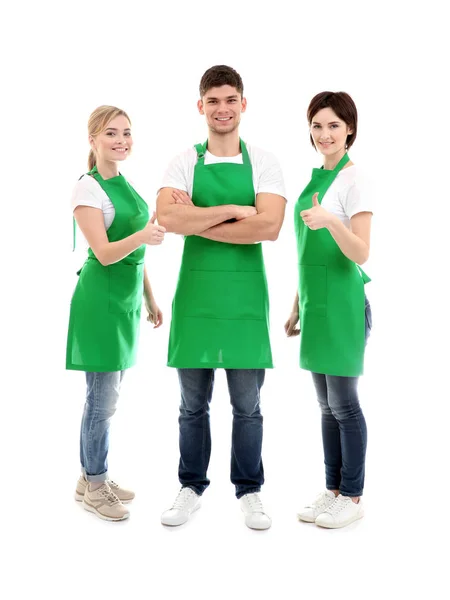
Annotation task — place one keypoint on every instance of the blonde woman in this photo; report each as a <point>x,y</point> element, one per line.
<point>106,305</point>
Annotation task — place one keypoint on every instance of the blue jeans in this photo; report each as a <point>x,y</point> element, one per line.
<point>344,431</point>
<point>102,394</point>
<point>244,385</point>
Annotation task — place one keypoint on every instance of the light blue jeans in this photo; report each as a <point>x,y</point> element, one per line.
<point>102,393</point>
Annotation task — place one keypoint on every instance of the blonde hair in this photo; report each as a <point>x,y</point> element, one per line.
<point>98,122</point>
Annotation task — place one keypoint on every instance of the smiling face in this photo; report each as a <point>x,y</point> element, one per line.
<point>329,133</point>
<point>222,107</point>
<point>115,142</point>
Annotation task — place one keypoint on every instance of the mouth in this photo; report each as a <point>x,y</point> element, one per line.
<point>121,150</point>
<point>326,144</point>
<point>223,119</point>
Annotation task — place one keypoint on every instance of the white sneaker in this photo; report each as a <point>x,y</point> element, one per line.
<point>342,512</point>
<point>255,517</point>
<point>185,504</point>
<point>320,505</point>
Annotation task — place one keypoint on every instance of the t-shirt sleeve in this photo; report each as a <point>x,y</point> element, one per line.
<point>87,192</point>
<point>176,173</point>
<point>358,198</point>
<point>270,176</point>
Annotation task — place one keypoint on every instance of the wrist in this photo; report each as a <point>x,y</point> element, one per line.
<point>139,236</point>
<point>333,220</point>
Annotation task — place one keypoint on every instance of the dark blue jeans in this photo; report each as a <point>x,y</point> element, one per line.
<point>344,431</point>
<point>244,385</point>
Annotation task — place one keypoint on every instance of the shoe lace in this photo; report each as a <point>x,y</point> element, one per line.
<point>183,498</point>
<point>320,501</point>
<point>109,495</point>
<point>112,484</point>
<point>339,504</point>
<point>254,502</point>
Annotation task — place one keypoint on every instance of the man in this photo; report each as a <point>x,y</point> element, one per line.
<point>226,198</point>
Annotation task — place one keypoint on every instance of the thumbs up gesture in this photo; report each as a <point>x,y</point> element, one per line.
<point>316,217</point>
<point>153,233</point>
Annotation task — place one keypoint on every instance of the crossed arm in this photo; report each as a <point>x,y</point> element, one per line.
<point>177,214</point>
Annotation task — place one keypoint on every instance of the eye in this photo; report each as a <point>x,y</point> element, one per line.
<point>232,100</point>
<point>110,133</point>
<point>128,133</point>
<point>316,126</point>
<point>211,101</point>
<point>334,126</point>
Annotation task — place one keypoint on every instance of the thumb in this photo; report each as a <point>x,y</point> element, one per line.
<point>315,199</point>
<point>153,219</point>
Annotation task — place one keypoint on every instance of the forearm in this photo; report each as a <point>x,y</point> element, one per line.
<point>192,220</point>
<point>350,244</point>
<point>148,292</point>
<point>113,252</point>
<point>246,231</point>
<point>295,308</point>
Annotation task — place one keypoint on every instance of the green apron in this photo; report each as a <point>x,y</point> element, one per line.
<point>220,312</point>
<point>106,305</point>
<point>331,293</point>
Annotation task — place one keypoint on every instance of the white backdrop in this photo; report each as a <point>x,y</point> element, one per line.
<point>60,61</point>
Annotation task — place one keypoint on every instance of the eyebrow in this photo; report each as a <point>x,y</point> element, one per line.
<point>115,129</point>
<point>330,123</point>
<point>227,98</point>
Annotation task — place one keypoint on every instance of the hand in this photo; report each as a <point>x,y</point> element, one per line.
<point>243,212</point>
<point>316,217</point>
<point>290,325</point>
<point>155,315</point>
<point>153,234</point>
<point>181,197</point>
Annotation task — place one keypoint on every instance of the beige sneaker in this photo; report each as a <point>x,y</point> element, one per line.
<point>124,495</point>
<point>105,504</point>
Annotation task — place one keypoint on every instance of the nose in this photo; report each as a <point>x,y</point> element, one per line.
<point>324,135</point>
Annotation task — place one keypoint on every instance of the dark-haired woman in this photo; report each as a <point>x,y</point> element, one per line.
<point>332,223</point>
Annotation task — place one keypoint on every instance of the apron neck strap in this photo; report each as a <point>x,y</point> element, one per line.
<point>94,173</point>
<point>245,156</point>
<point>201,150</point>
<point>344,160</point>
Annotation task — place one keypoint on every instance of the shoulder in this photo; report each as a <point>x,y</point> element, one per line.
<point>261,157</point>
<point>355,190</point>
<point>88,192</point>
<point>86,183</point>
<point>355,175</point>
<point>185,158</point>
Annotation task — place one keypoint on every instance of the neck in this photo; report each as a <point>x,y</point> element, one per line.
<point>330,162</point>
<point>224,144</point>
<point>107,168</point>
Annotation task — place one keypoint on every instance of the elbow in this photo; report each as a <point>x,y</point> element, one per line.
<point>364,257</point>
<point>103,261</point>
<point>273,233</point>
<point>102,257</point>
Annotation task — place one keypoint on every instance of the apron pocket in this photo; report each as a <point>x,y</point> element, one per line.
<point>313,289</point>
<point>125,287</point>
<point>223,294</point>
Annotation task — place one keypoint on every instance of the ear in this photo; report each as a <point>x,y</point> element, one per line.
<point>244,105</point>
<point>200,107</point>
<point>350,131</point>
<point>91,142</point>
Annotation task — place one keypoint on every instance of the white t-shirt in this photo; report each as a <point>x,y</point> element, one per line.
<point>88,192</point>
<point>348,195</point>
<point>267,175</point>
